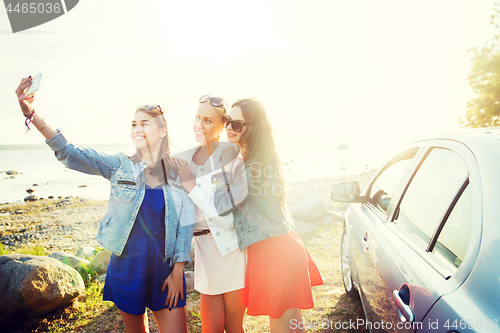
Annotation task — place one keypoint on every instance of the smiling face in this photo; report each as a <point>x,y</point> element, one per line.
<point>232,136</point>
<point>145,131</point>
<point>207,124</point>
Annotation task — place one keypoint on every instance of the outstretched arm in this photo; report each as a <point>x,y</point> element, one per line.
<point>75,157</point>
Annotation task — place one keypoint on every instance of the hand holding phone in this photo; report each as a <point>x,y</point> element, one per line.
<point>35,85</point>
<point>25,100</point>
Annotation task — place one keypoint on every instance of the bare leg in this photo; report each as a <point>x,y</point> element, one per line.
<point>212,313</point>
<point>298,318</point>
<point>135,323</point>
<point>171,321</point>
<point>283,324</point>
<point>234,307</point>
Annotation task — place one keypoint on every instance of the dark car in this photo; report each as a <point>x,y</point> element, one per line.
<point>421,244</point>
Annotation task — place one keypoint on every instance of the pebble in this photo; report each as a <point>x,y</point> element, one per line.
<point>31,198</point>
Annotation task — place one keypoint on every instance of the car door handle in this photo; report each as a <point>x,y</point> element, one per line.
<point>364,241</point>
<point>405,310</point>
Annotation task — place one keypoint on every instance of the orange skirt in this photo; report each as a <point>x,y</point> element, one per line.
<point>280,273</point>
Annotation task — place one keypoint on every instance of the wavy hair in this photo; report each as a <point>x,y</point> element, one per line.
<point>260,146</point>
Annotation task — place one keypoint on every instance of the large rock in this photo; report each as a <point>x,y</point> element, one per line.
<point>69,259</point>
<point>86,251</point>
<point>100,261</point>
<point>309,210</point>
<point>35,285</point>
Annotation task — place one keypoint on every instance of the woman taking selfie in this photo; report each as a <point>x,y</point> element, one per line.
<point>219,264</point>
<point>280,270</point>
<point>149,223</point>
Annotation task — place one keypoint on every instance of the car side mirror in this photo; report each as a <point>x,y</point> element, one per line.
<point>347,192</point>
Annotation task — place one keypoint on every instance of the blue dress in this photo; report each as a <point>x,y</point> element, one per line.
<point>135,278</point>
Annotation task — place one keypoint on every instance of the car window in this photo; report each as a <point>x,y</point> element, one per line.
<point>454,238</point>
<point>433,191</point>
<point>383,188</point>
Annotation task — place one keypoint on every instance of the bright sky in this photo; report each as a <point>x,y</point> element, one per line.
<point>372,74</point>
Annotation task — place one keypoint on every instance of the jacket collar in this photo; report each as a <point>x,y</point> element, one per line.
<point>138,168</point>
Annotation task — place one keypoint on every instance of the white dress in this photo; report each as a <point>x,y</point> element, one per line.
<point>215,274</point>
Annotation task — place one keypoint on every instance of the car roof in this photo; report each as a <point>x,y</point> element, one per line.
<point>470,137</point>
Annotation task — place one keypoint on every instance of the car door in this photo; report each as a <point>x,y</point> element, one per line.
<point>425,240</point>
<point>361,223</point>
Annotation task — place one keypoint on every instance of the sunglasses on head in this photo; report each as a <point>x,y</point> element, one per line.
<point>215,101</point>
<point>236,125</point>
<point>150,107</point>
<point>154,106</point>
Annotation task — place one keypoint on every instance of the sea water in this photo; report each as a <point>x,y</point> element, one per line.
<point>39,166</point>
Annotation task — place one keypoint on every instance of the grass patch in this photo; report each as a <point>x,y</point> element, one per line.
<point>35,250</point>
<point>3,250</point>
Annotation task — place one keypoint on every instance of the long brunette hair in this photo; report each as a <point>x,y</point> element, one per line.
<point>258,140</point>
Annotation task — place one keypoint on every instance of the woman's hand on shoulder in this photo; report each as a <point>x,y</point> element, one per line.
<point>187,180</point>
<point>25,102</point>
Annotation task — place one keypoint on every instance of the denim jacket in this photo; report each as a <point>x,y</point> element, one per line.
<point>221,227</point>
<point>127,192</point>
<point>257,215</point>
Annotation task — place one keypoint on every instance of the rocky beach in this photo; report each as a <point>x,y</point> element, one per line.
<point>55,224</point>
<point>68,223</point>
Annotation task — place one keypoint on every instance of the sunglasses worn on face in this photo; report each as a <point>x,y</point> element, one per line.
<point>215,101</point>
<point>236,125</point>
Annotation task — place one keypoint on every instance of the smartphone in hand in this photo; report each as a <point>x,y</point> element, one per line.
<point>35,84</point>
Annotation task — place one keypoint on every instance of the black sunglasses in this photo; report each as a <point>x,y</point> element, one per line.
<point>215,101</point>
<point>236,125</point>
